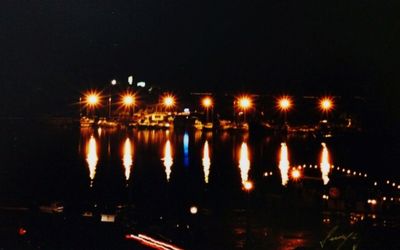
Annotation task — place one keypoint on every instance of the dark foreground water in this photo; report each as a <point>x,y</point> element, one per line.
<point>151,179</point>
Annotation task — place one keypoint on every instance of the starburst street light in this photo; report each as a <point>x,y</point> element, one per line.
<point>92,99</point>
<point>128,101</point>
<point>284,104</point>
<point>326,104</point>
<point>168,101</point>
<point>244,103</point>
<point>296,174</point>
<point>207,103</point>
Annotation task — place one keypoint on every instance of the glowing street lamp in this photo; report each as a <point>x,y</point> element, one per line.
<point>284,104</point>
<point>296,174</point>
<point>168,101</point>
<point>128,101</point>
<point>92,99</point>
<point>207,103</point>
<point>244,103</point>
<point>326,104</point>
<point>248,186</point>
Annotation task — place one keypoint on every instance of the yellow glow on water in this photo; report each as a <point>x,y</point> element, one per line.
<point>325,165</point>
<point>296,174</point>
<point>206,162</point>
<point>127,158</point>
<point>244,163</point>
<point>284,163</point>
<point>91,158</point>
<point>168,161</point>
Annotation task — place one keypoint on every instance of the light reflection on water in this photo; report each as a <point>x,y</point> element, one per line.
<point>206,161</point>
<point>284,163</point>
<point>244,163</point>
<point>325,165</point>
<point>91,158</point>
<point>127,158</point>
<point>168,160</point>
<point>149,142</point>
<point>186,149</point>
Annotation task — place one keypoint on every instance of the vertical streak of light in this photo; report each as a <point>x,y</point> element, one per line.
<point>186,149</point>
<point>284,163</point>
<point>325,165</point>
<point>244,163</point>
<point>127,158</point>
<point>206,161</point>
<point>168,161</point>
<point>92,158</point>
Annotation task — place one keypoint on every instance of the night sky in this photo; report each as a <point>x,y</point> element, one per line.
<point>50,51</point>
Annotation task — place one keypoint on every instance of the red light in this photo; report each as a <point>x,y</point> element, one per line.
<point>22,231</point>
<point>150,242</point>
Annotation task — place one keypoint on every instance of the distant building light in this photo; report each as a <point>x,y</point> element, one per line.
<point>130,80</point>
<point>141,84</point>
<point>186,110</point>
<point>107,218</point>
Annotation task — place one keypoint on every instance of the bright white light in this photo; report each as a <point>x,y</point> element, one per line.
<point>244,163</point>
<point>284,163</point>
<point>193,210</point>
<point>141,84</point>
<point>325,165</point>
<point>113,82</point>
<point>127,158</point>
<point>206,161</point>
<point>130,80</point>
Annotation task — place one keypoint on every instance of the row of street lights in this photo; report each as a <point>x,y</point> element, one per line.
<point>243,103</point>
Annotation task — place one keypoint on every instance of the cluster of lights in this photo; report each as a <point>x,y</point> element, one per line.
<point>296,174</point>
<point>244,102</point>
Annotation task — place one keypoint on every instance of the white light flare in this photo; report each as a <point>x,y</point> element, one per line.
<point>127,158</point>
<point>325,165</point>
<point>92,158</point>
<point>284,163</point>
<point>206,161</point>
<point>244,164</point>
<point>168,161</point>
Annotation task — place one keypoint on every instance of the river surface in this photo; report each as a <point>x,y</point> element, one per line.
<point>164,173</point>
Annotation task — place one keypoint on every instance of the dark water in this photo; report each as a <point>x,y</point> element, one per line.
<point>43,163</point>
